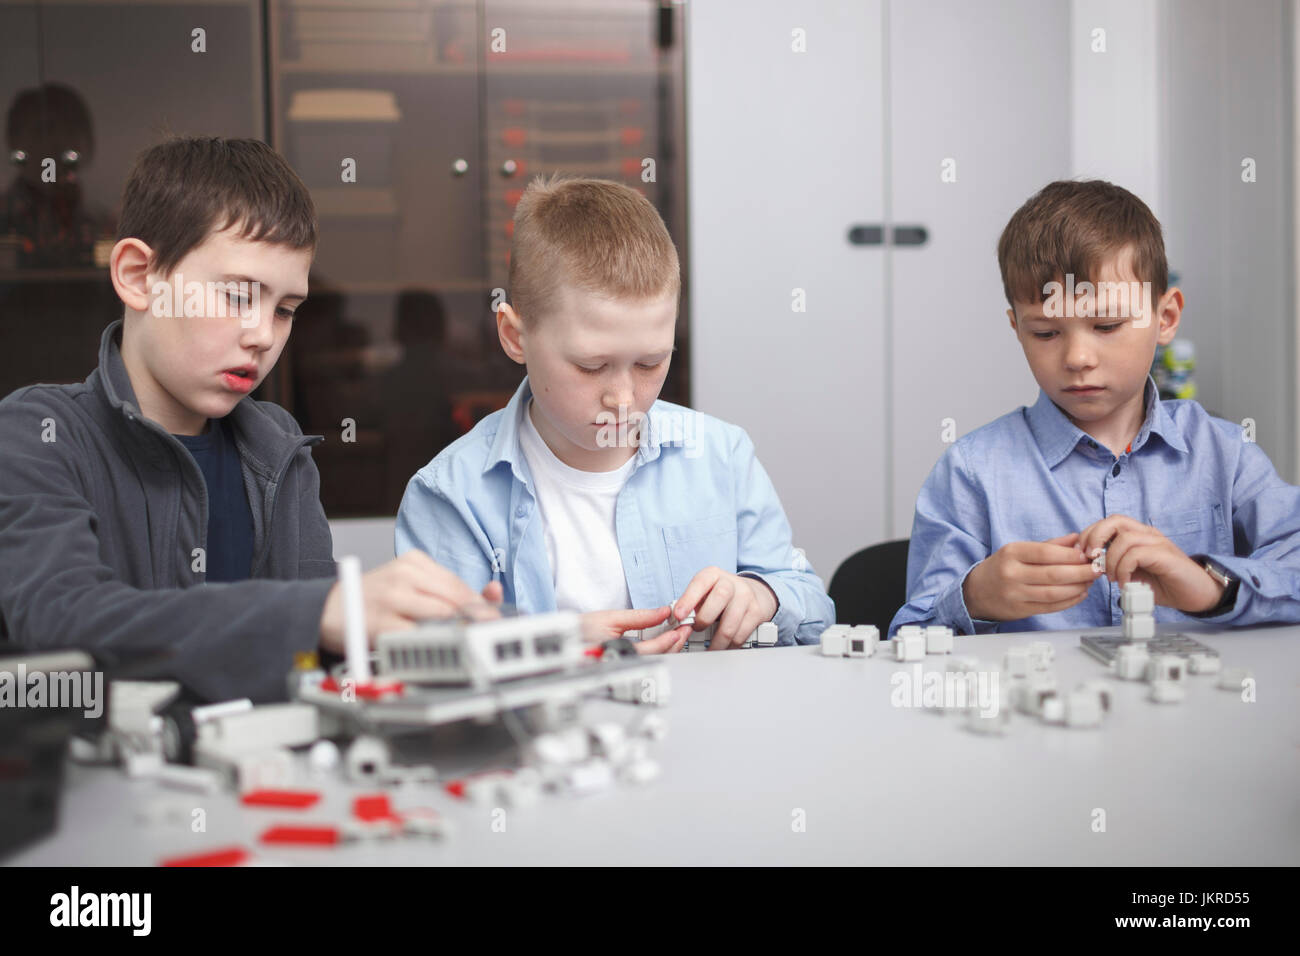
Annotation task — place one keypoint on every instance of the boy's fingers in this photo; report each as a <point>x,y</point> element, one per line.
<point>700,585</point>
<point>1044,552</point>
<point>494,592</point>
<point>432,578</point>
<point>1125,542</point>
<point>735,623</point>
<point>1058,606</point>
<point>643,617</point>
<point>1101,533</point>
<point>1065,540</point>
<point>1053,594</point>
<point>664,642</point>
<point>1047,574</point>
<point>416,606</point>
<point>710,610</point>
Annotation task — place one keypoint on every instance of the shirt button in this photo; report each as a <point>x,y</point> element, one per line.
<point>1092,444</point>
<point>1255,579</point>
<point>1115,471</point>
<point>520,511</point>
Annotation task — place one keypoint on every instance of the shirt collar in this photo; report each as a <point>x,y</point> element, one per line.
<point>505,444</point>
<point>1057,436</point>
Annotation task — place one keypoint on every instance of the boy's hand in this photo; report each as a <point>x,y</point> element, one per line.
<point>1139,552</point>
<point>601,626</point>
<point>737,603</point>
<point>1025,578</point>
<point>401,594</point>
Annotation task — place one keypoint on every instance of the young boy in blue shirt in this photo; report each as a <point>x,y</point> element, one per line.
<point>157,508</point>
<point>1009,521</point>
<point>586,493</point>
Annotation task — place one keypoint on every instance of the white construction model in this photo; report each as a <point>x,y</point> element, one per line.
<point>534,667</point>
<point>482,652</point>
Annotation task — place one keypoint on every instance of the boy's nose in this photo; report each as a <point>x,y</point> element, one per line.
<point>617,397</point>
<point>1079,356</point>
<point>257,331</point>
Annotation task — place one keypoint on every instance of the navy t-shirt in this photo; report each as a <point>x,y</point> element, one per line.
<point>230,522</point>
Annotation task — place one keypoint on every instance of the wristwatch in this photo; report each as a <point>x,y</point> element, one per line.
<point>1230,586</point>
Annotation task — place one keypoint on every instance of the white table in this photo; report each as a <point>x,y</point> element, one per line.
<point>757,736</point>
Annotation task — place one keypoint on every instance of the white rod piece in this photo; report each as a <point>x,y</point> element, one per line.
<point>354,620</point>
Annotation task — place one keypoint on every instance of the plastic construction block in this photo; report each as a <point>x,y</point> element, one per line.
<point>371,690</point>
<point>292,799</point>
<point>835,640</point>
<point>1139,627</point>
<point>909,645</point>
<point>1016,661</point>
<point>1137,598</point>
<point>938,640</point>
<point>374,806</point>
<point>1165,667</point>
<point>1131,662</point>
<point>230,856</point>
<point>1041,655</point>
<point>862,640</point>
<point>288,835</point>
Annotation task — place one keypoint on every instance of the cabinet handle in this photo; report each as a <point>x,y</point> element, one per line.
<point>459,168</point>
<point>874,235</point>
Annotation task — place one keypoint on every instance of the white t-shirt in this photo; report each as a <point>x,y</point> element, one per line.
<point>577,512</point>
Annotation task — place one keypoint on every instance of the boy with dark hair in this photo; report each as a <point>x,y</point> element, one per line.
<point>1099,466</point>
<point>120,496</point>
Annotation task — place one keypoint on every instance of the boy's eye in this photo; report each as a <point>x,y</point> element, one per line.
<point>284,313</point>
<point>590,371</point>
<point>1044,336</point>
<point>1109,328</point>
<point>648,368</point>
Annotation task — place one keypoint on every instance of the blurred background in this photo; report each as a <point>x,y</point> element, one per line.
<point>835,174</point>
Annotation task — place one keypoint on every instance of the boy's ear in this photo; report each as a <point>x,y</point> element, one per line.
<point>1011,317</point>
<point>128,267</point>
<point>1170,313</point>
<point>510,329</point>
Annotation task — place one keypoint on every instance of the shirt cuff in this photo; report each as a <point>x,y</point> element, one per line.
<point>1258,584</point>
<point>786,619</point>
<point>950,610</point>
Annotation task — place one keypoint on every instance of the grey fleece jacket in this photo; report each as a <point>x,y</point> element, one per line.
<point>101,511</point>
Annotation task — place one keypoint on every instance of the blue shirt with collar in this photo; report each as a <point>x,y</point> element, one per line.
<point>697,496</point>
<point>1033,475</point>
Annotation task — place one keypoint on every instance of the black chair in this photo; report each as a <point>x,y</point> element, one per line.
<point>870,586</point>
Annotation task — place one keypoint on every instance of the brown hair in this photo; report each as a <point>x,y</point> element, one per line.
<point>1072,228</point>
<point>184,188</point>
<point>599,235</point>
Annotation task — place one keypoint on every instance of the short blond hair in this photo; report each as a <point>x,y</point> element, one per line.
<point>601,236</point>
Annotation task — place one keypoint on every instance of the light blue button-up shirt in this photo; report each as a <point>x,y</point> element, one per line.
<point>1033,475</point>
<point>697,496</point>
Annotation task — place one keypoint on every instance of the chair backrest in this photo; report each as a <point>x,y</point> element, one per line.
<point>870,586</point>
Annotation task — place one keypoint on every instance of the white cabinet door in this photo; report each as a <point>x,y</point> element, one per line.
<point>985,85</point>
<point>785,144</point>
